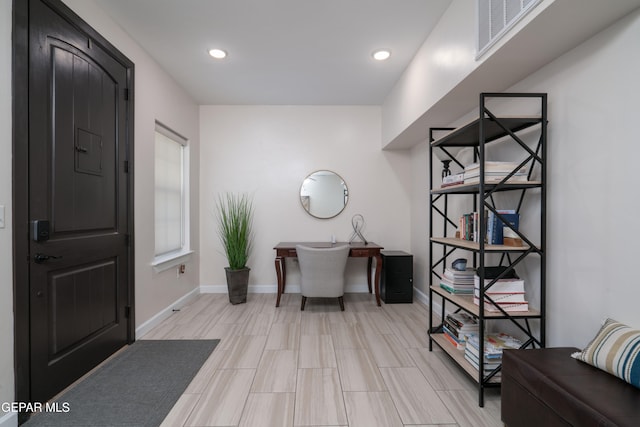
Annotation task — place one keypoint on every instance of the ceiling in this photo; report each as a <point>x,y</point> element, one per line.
<point>280,52</point>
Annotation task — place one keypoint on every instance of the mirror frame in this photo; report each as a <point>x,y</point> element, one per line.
<point>306,206</point>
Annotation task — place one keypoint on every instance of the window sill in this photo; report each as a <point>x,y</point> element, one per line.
<point>164,262</point>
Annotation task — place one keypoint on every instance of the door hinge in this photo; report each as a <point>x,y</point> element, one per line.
<point>126,166</point>
<point>127,311</point>
<point>126,94</point>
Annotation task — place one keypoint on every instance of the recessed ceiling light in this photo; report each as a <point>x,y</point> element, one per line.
<point>218,53</point>
<point>381,54</point>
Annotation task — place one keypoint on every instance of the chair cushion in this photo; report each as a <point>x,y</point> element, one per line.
<point>615,349</point>
<point>322,270</point>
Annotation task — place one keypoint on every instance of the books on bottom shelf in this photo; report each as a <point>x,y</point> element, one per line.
<point>494,343</point>
<point>488,367</point>
<point>456,327</point>
<point>492,354</point>
<point>462,322</point>
<point>453,339</point>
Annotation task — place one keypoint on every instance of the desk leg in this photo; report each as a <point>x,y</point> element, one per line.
<point>378,271</point>
<point>369,261</point>
<point>280,277</point>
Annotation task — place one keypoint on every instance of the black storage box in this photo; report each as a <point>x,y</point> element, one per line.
<point>396,283</point>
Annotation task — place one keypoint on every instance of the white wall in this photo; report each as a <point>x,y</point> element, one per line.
<point>592,193</point>
<point>6,261</point>
<point>267,151</point>
<point>592,197</point>
<point>157,97</point>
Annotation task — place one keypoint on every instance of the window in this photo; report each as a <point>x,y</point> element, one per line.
<point>171,196</point>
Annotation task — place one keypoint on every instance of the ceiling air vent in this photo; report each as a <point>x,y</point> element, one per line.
<point>496,17</point>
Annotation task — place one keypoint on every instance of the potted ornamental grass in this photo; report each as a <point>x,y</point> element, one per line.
<point>235,228</point>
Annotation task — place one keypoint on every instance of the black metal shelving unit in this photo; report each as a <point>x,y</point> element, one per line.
<point>488,128</point>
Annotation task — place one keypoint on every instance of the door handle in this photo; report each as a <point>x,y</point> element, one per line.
<point>40,258</point>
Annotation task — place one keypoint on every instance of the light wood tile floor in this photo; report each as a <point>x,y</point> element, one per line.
<point>367,366</point>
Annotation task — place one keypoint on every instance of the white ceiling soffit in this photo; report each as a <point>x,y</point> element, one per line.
<point>562,26</point>
<point>280,52</point>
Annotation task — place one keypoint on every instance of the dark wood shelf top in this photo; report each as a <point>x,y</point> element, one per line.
<point>475,187</point>
<point>468,135</point>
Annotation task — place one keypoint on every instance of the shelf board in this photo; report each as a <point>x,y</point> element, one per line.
<point>468,135</point>
<point>458,357</point>
<point>475,246</point>
<point>466,303</point>
<point>475,188</point>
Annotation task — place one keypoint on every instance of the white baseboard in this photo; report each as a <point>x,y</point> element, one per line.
<point>272,289</point>
<point>262,289</point>
<point>10,419</point>
<point>213,289</point>
<point>143,329</point>
<point>421,296</point>
<point>424,298</point>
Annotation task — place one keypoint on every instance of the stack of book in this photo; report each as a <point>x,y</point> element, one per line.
<point>469,227</point>
<point>494,172</point>
<point>493,346</point>
<point>498,232</point>
<point>454,179</point>
<point>507,294</point>
<point>458,281</point>
<point>456,328</point>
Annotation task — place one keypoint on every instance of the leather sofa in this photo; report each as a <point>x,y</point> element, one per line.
<point>547,387</point>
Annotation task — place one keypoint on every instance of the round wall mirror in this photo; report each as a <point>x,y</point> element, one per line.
<point>324,194</point>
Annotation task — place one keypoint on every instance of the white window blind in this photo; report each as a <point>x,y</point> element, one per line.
<point>496,17</point>
<point>169,191</point>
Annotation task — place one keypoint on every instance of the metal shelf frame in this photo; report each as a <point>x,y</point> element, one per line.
<point>484,130</point>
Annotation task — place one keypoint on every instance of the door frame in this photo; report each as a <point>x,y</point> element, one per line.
<point>20,173</point>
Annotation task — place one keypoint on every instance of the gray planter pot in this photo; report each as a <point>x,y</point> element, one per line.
<point>237,284</point>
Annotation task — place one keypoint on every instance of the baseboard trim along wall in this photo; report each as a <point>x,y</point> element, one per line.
<point>143,329</point>
<point>424,298</point>
<point>272,289</point>
<point>421,296</point>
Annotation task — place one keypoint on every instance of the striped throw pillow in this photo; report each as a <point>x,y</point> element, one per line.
<point>615,349</point>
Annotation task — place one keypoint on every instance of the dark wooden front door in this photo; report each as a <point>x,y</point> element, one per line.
<point>79,118</point>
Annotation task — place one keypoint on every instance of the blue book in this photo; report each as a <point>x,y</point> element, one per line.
<point>496,225</point>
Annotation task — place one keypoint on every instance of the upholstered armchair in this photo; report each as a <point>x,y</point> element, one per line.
<point>322,271</point>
